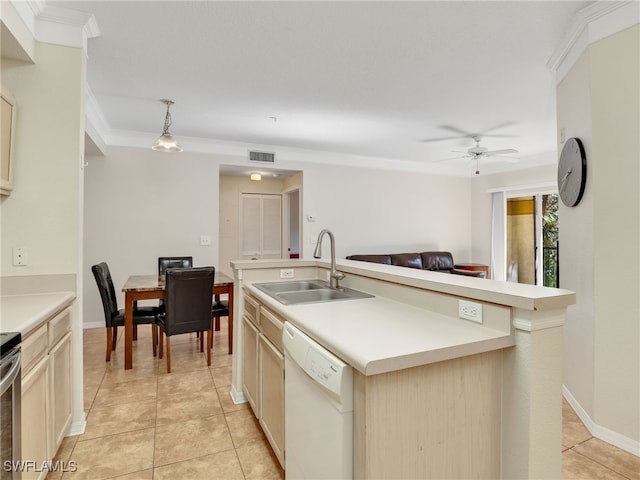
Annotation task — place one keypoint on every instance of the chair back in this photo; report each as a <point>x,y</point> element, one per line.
<point>107,291</point>
<point>173,262</point>
<point>187,299</point>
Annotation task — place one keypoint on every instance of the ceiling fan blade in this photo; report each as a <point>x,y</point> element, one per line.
<point>441,139</point>
<point>500,152</point>
<point>460,151</point>
<point>446,159</point>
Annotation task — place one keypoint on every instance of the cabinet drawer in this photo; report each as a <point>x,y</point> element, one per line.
<point>59,326</point>
<point>272,326</point>
<point>34,347</point>
<point>252,309</point>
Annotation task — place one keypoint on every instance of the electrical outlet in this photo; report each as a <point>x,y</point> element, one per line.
<point>286,273</point>
<point>470,311</point>
<point>20,256</point>
<point>205,240</point>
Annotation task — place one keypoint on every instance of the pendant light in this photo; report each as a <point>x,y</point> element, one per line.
<point>166,142</point>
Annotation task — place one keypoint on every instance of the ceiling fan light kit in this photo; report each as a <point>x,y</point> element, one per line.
<point>166,142</point>
<point>478,152</point>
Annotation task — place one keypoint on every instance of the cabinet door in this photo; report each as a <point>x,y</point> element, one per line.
<point>272,396</point>
<point>35,417</point>
<point>250,364</point>
<point>60,371</point>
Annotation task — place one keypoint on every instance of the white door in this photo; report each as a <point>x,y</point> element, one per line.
<point>261,226</point>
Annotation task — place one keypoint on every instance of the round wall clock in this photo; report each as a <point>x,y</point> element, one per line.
<point>572,172</point>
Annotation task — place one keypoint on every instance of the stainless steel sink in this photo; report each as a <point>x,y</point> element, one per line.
<point>301,285</point>
<point>308,291</point>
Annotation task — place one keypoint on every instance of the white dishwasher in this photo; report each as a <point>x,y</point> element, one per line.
<point>318,395</point>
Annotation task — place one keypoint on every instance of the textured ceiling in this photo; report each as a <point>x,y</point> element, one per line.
<point>390,80</point>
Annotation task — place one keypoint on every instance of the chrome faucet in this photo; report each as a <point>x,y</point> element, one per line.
<point>334,275</point>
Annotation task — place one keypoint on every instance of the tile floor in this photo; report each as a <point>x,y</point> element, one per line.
<point>143,424</point>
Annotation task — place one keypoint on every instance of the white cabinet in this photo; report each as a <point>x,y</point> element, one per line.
<point>250,336</point>
<point>46,390</point>
<point>35,416</point>
<point>263,370</point>
<point>60,374</point>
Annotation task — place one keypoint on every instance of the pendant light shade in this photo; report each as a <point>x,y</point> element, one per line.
<point>166,142</point>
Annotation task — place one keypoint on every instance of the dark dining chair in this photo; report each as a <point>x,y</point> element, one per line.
<point>173,262</point>
<point>187,306</point>
<point>113,316</point>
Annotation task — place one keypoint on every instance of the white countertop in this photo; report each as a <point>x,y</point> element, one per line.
<point>22,313</point>
<point>378,335</point>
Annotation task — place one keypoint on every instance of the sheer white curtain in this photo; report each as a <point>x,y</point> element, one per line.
<point>499,236</point>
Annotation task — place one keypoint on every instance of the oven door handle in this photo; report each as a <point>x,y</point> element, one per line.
<point>11,375</point>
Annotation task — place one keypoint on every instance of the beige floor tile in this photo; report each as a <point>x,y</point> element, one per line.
<point>244,428</point>
<point>196,381</point>
<point>224,395</point>
<point>116,373</point>
<point>223,465</point>
<point>93,375</point>
<point>259,462</point>
<point>194,438</point>
<point>137,390</point>
<point>610,456</point>
<point>186,405</point>
<point>66,447</point>
<point>221,375</point>
<point>108,457</point>
<point>90,392</point>
<point>141,475</point>
<point>573,430</point>
<point>119,418</point>
<point>578,467</point>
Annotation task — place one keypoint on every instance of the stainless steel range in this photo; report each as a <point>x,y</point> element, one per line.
<point>10,436</point>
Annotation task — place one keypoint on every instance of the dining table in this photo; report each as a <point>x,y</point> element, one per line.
<point>149,287</point>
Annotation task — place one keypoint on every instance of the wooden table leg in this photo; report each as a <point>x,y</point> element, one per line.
<point>128,331</point>
<point>230,334</point>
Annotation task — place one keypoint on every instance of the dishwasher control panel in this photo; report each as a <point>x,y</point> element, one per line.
<point>323,370</point>
<point>320,364</point>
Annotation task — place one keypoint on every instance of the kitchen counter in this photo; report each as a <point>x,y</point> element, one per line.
<point>22,313</point>
<point>423,375</point>
<point>378,335</point>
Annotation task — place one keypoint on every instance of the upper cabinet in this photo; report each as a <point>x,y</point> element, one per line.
<point>7,127</point>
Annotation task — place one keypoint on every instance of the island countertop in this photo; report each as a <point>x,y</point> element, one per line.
<point>382,334</point>
<point>378,335</point>
<point>22,313</point>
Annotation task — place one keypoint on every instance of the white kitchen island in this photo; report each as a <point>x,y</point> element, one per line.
<point>435,396</point>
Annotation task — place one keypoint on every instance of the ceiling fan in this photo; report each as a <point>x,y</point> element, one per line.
<point>478,152</point>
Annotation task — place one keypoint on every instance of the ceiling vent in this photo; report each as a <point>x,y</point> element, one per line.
<point>262,157</point>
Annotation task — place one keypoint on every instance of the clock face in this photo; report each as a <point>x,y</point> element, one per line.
<point>572,172</point>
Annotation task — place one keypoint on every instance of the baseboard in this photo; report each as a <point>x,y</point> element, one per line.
<point>88,325</point>
<point>77,428</point>
<point>614,438</point>
<point>237,396</point>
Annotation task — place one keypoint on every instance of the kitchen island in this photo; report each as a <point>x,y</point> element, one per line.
<point>435,395</point>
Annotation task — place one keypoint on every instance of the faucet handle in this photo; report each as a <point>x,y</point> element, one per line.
<point>338,275</point>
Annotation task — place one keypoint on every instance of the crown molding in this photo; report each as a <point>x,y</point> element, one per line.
<point>56,25</point>
<point>594,22</point>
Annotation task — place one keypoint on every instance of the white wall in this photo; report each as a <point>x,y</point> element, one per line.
<point>43,211</point>
<point>615,90</point>
<point>599,101</point>
<point>377,211</point>
<point>141,205</point>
